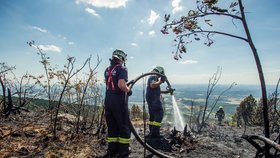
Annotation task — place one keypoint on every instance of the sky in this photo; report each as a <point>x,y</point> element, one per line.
<point>84,28</point>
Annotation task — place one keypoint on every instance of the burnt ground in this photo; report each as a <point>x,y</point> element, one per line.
<point>217,141</point>
<point>24,137</point>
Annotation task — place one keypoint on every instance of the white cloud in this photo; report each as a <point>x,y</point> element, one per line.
<point>153,17</point>
<point>141,33</point>
<point>71,43</point>
<point>39,29</point>
<point>176,6</point>
<point>51,48</point>
<point>60,36</point>
<point>104,3</point>
<point>188,62</point>
<point>134,44</point>
<point>152,33</point>
<point>92,12</point>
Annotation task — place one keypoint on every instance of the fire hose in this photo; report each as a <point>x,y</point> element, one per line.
<point>144,144</point>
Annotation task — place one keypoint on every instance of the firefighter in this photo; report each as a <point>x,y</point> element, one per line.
<point>116,109</point>
<point>153,97</point>
<point>220,114</point>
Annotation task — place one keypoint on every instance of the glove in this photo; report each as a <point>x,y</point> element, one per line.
<point>171,91</point>
<point>129,93</point>
<point>163,79</point>
<point>130,83</point>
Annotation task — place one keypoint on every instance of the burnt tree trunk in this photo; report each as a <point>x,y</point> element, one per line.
<point>4,96</point>
<point>261,76</point>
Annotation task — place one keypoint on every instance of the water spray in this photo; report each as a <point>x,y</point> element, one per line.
<point>178,119</point>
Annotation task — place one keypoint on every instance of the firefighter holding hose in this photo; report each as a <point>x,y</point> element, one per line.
<point>153,95</point>
<point>116,110</point>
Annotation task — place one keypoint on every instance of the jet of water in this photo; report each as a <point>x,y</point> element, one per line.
<point>178,119</point>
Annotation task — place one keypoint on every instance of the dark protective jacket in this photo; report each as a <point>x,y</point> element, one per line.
<point>220,113</point>
<point>116,111</point>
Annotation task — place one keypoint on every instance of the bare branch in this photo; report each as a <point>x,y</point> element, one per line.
<point>213,32</point>
<point>218,99</point>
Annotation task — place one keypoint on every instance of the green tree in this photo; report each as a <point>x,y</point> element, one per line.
<point>273,111</point>
<point>247,110</point>
<point>135,112</point>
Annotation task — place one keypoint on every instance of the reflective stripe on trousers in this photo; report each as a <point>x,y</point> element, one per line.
<point>118,140</point>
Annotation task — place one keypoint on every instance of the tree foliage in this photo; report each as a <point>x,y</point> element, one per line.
<point>136,112</point>
<point>249,112</point>
<point>247,109</point>
<point>197,25</point>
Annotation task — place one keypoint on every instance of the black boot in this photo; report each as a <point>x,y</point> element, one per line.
<point>107,155</point>
<point>150,131</point>
<point>123,155</point>
<point>112,149</point>
<point>156,132</point>
<point>124,151</point>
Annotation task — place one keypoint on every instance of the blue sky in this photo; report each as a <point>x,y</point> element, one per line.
<point>81,28</point>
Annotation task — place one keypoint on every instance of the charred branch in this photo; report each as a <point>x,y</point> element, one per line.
<point>4,95</point>
<point>9,104</point>
<point>261,150</point>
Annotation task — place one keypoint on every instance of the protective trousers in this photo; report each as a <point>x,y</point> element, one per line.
<point>220,118</point>
<point>117,118</point>
<point>156,115</point>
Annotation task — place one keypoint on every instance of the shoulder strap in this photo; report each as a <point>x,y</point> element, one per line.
<point>110,78</point>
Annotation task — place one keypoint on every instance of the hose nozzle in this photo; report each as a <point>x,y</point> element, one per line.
<point>130,83</point>
<point>170,90</point>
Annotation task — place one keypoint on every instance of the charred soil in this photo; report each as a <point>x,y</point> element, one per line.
<point>21,136</point>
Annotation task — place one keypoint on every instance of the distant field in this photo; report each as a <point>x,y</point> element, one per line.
<point>184,94</point>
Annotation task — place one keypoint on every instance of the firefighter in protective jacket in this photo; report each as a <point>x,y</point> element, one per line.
<point>153,94</point>
<point>220,114</point>
<point>116,109</point>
